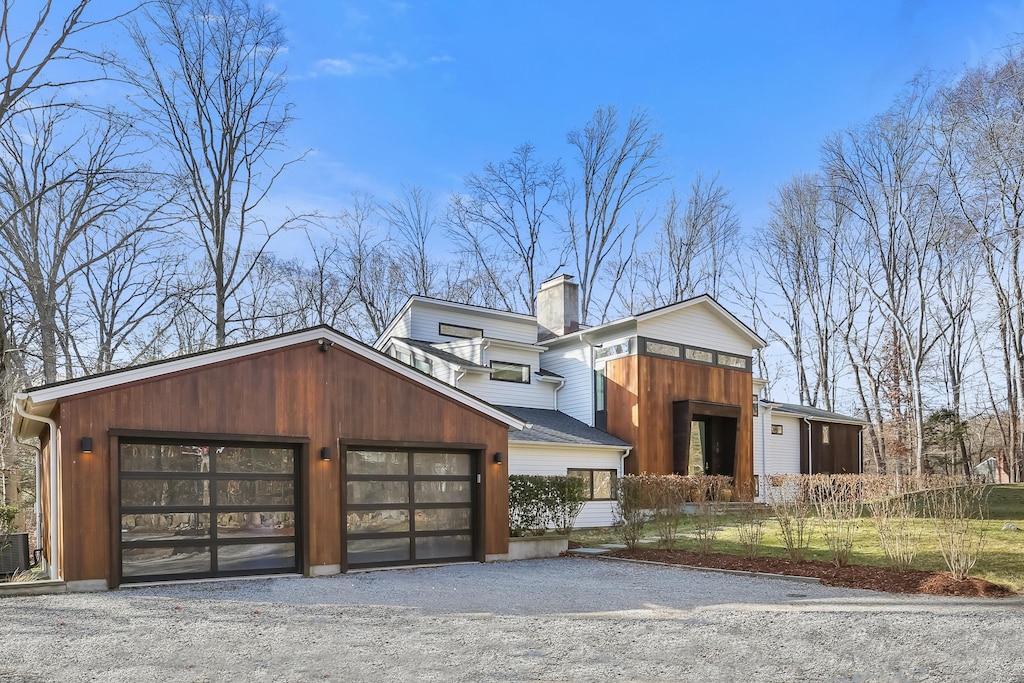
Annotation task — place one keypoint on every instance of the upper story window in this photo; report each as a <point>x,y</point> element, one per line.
<point>423,365</point>
<point>460,331</point>
<point>700,355</point>
<point>510,372</point>
<point>777,430</point>
<point>731,361</point>
<point>621,347</point>
<point>401,356</point>
<point>662,349</point>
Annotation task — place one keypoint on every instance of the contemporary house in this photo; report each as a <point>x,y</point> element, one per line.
<point>669,390</point>
<point>305,453</point>
<point>793,439</point>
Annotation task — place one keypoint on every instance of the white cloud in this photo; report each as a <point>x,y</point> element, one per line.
<point>362,64</point>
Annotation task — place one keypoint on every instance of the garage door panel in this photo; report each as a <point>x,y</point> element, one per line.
<point>408,506</point>
<point>185,512</point>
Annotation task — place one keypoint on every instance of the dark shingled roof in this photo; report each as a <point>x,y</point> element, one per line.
<point>438,353</point>
<point>813,413</point>
<point>552,426</point>
<point>547,373</point>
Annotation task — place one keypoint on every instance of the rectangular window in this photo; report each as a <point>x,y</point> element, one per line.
<point>662,349</point>
<point>510,372</point>
<point>700,355</point>
<point>598,484</point>
<point>401,356</point>
<point>731,361</point>
<point>622,347</point>
<point>756,405</point>
<point>824,433</point>
<point>449,330</point>
<point>422,364</point>
<point>777,430</point>
<point>600,382</point>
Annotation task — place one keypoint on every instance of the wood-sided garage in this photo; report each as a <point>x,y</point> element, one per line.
<point>308,452</point>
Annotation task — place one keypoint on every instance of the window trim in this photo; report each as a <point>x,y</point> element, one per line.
<point>776,430</point>
<point>477,332</point>
<point>590,477</point>
<point>685,349</point>
<point>528,374</point>
<point>826,434</point>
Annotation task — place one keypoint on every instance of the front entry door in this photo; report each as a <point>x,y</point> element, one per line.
<point>704,438</point>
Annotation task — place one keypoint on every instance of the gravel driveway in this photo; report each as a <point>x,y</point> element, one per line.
<point>547,620</point>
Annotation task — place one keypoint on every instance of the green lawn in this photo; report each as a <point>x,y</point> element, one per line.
<point>1001,562</point>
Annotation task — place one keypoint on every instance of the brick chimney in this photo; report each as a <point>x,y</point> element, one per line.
<point>558,307</point>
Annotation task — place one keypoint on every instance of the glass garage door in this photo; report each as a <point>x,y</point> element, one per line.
<point>408,507</point>
<point>191,510</point>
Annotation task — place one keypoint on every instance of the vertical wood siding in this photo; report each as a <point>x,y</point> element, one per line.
<point>296,391</point>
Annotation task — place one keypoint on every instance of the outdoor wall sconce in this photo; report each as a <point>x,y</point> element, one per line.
<point>323,345</point>
<point>497,458</point>
<point>325,453</point>
<point>87,444</point>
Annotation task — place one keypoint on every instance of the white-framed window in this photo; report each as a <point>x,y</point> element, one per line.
<point>503,371</point>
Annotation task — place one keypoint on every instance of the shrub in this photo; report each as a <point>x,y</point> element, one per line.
<point>708,505</point>
<point>631,509</point>
<point>665,496</point>
<point>750,526</point>
<point>957,514</point>
<point>538,502</point>
<point>791,507</point>
<point>895,515</point>
<point>838,500</point>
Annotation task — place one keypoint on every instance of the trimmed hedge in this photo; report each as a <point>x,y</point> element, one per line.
<point>537,503</point>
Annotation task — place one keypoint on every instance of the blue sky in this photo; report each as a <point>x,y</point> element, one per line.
<point>425,92</point>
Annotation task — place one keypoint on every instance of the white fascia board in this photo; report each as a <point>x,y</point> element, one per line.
<point>476,310</point>
<point>578,448</point>
<point>423,352</point>
<point>588,334</point>
<point>386,334</point>
<point>106,381</point>
<point>843,420</point>
<point>507,344</point>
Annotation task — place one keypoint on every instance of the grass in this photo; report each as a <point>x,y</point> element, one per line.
<point>1001,561</point>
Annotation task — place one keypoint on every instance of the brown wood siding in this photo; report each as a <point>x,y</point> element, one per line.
<point>840,456</point>
<point>297,391</point>
<point>641,391</point>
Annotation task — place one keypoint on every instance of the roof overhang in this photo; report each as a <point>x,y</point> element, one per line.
<point>575,447</point>
<point>41,401</point>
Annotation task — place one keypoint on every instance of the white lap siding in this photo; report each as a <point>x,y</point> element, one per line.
<point>531,458</point>
<point>776,453</point>
<point>576,398</point>
<point>426,318</point>
<point>697,325</point>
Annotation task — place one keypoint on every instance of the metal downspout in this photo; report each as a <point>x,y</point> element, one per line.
<point>54,455</point>
<point>554,395</point>
<point>764,458</point>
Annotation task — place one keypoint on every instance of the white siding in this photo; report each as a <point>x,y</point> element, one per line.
<point>557,460</point>
<point>573,363</point>
<point>426,318</point>
<point>536,394</point>
<point>776,453</point>
<point>696,325</point>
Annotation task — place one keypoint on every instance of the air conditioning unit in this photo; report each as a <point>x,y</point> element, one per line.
<point>13,554</point>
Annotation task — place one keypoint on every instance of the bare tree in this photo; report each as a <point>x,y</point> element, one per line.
<point>501,224</point>
<point>212,85</point>
<point>412,216</point>
<point>60,191</point>
<point>617,166</point>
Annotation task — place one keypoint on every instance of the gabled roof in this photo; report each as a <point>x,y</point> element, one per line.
<point>552,426</point>
<point>40,400</point>
<point>812,413</point>
<point>441,303</point>
<point>703,299</point>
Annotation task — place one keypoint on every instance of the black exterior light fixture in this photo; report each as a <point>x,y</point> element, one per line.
<point>323,345</point>
<point>325,453</point>
<point>87,444</point>
<point>497,458</point>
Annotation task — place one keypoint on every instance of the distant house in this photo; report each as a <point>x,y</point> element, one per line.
<point>669,390</point>
<point>794,439</point>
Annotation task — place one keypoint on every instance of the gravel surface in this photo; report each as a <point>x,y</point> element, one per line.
<point>543,620</point>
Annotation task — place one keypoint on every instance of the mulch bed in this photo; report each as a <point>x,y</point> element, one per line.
<point>852,576</point>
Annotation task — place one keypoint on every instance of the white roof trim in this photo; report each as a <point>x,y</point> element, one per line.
<point>440,303</point>
<point>47,395</point>
<point>512,445</point>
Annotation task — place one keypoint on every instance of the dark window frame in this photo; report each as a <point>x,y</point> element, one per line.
<point>528,375</point>
<point>212,539</point>
<point>776,430</point>
<point>590,477</point>
<point>683,349</point>
<point>477,332</point>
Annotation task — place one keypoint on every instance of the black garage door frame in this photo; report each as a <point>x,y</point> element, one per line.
<point>300,447</point>
<point>477,453</point>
